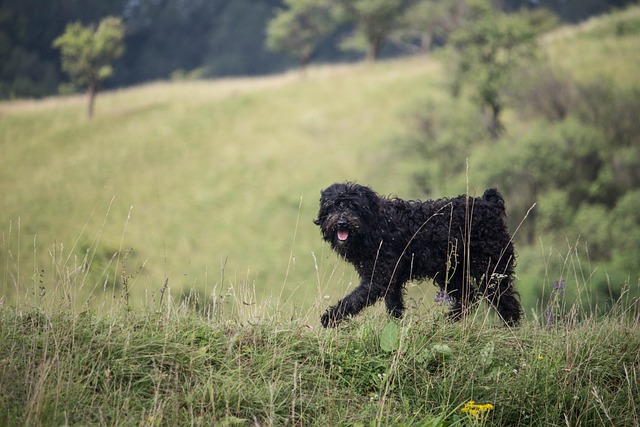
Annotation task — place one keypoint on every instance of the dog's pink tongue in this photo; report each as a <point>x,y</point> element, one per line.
<point>343,234</point>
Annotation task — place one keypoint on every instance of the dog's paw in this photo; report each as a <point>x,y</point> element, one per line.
<point>326,321</point>
<point>329,319</point>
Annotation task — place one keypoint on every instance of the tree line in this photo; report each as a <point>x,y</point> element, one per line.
<point>568,160</point>
<point>199,38</point>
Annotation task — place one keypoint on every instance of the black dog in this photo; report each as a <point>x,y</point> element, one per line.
<point>461,243</point>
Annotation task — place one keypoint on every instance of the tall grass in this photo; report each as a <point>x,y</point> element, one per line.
<point>224,360</point>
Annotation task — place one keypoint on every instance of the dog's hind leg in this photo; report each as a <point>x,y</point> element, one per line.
<point>505,301</point>
<point>394,300</point>
<point>500,292</point>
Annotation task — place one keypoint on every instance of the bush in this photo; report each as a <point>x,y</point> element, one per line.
<point>541,91</point>
<point>625,235</point>
<point>446,136</point>
<point>554,212</point>
<point>591,225</point>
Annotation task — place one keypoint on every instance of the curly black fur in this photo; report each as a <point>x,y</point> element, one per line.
<point>461,243</point>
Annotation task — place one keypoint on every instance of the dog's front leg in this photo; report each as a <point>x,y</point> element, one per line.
<point>362,296</point>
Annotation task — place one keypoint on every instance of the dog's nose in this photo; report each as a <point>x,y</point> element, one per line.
<point>342,223</point>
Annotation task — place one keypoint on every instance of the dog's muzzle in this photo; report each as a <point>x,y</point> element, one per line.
<point>339,227</point>
<point>342,231</point>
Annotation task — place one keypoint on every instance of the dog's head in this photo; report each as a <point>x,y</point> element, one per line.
<point>347,212</point>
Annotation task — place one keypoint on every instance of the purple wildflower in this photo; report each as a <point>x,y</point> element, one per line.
<point>549,316</point>
<point>558,286</point>
<point>442,298</point>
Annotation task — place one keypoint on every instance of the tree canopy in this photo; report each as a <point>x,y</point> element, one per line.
<point>374,21</point>
<point>220,38</point>
<point>88,54</point>
<point>488,47</point>
<point>298,29</point>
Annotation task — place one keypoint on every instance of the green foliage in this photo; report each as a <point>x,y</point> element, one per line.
<point>448,131</point>
<point>88,54</point>
<point>542,91</point>
<point>488,48</point>
<point>390,337</point>
<point>625,232</point>
<point>222,37</point>
<point>568,165</point>
<point>29,67</point>
<point>555,156</point>
<point>432,20</point>
<point>586,163</point>
<point>299,28</point>
<point>554,211</point>
<point>374,20</point>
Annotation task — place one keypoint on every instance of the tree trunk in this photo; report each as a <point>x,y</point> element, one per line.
<point>303,63</point>
<point>372,50</point>
<point>93,91</point>
<point>425,43</point>
<point>494,125</point>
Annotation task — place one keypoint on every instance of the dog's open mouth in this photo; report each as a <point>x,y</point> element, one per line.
<point>343,234</point>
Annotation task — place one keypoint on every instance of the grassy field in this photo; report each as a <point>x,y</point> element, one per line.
<point>206,184</point>
<point>159,265</point>
<point>210,187</point>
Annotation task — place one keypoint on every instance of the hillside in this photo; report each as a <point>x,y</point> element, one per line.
<point>210,187</point>
<point>210,184</point>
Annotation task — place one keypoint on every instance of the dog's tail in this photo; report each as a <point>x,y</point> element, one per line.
<point>494,197</point>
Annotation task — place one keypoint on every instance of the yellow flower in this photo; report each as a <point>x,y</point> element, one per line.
<point>540,357</point>
<point>472,408</point>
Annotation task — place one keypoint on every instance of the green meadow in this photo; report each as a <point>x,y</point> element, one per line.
<point>209,185</point>
<point>159,264</point>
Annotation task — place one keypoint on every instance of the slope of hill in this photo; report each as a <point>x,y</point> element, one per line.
<point>210,184</point>
<point>211,187</point>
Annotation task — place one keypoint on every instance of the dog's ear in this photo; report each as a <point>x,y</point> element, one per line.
<point>373,200</point>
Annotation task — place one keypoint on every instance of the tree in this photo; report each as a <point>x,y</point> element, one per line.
<point>29,65</point>
<point>87,54</point>
<point>375,20</point>
<point>487,51</point>
<point>432,20</point>
<point>298,29</point>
